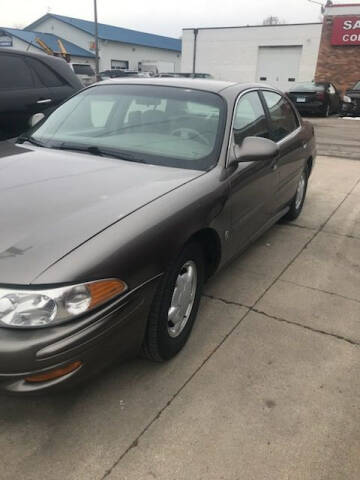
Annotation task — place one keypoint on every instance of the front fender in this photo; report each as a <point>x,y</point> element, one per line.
<point>143,244</point>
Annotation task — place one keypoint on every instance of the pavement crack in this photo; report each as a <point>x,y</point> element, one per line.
<point>316,233</point>
<point>135,443</point>
<point>306,327</point>
<point>227,302</point>
<point>295,225</point>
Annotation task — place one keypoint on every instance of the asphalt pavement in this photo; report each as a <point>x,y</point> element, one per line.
<point>339,137</point>
<point>267,388</point>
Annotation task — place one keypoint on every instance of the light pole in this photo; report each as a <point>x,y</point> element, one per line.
<point>96,42</point>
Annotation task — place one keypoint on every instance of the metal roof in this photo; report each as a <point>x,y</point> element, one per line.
<point>255,26</point>
<point>116,34</point>
<point>50,40</point>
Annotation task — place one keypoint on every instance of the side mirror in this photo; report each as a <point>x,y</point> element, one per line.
<point>35,119</point>
<point>255,149</point>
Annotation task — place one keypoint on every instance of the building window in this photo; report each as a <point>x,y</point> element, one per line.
<point>119,64</point>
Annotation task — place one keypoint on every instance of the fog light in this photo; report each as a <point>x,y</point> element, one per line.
<point>52,374</point>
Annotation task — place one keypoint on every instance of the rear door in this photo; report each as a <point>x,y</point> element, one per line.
<point>59,89</point>
<point>286,131</point>
<point>20,96</point>
<point>252,184</point>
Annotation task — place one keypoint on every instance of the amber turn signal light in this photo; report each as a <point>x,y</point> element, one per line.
<point>52,374</point>
<point>105,290</point>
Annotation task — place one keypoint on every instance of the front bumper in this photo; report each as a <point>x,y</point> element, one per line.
<point>351,109</point>
<point>113,332</point>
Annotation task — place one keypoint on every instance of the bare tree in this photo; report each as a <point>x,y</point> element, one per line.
<point>271,20</point>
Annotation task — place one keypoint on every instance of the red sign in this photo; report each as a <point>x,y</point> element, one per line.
<point>346,31</point>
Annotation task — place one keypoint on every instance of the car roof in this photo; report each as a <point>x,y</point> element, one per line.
<point>57,63</point>
<point>41,56</point>
<point>208,85</point>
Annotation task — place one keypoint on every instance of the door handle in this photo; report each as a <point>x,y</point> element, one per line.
<point>46,100</point>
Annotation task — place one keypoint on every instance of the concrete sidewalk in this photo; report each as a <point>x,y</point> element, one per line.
<point>267,387</point>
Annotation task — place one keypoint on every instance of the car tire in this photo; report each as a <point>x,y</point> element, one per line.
<point>170,322</point>
<point>297,202</point>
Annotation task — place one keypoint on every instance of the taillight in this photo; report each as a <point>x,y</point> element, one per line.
<point>320,95</point>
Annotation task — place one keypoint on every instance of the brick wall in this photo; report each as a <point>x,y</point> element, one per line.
<point>337,64</point>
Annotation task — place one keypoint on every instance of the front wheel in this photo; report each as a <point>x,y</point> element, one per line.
<point>298,201</point>
<point>175,305</point>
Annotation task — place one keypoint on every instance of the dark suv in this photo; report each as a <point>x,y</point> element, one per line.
<point>351,105</point>
<point>31,83</point>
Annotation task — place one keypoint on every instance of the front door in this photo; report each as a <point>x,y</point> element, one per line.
<point>19,95</point>
<point>252,183</point>
<point>58,89</point>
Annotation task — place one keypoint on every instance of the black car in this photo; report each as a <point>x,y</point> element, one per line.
<point>320,98</point>
<point>351,104</point>
<point>31,83</point>
<point>119,206</point>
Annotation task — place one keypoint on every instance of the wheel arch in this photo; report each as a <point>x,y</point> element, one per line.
<point>310,164</point>
<point>210,243</point>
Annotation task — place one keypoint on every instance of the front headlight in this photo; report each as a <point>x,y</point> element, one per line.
<point>26,308</point>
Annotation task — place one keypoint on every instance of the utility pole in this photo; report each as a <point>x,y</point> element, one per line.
<point>196,32</point>
<point>96,42</point>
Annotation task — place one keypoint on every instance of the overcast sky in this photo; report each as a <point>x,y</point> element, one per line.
<point>165,17</point>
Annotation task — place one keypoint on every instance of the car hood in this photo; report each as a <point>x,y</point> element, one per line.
<point>52,201</point>
<point>353,93</point>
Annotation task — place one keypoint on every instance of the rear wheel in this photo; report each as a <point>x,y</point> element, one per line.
<point>175,306</point>
<point>299,198</point>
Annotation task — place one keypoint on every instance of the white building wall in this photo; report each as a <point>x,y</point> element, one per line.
<point>110,50</point>
<point>135,54</point>
<point>62,29</point>
<point>20,45</point>
<point>232,53</point>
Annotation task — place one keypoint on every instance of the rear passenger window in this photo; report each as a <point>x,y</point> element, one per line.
<point>283,118</point>
<point>15,73</point>
<point>47,77</point>
<point>250,119</point>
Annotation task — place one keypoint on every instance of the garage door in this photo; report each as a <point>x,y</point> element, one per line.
<point>279,66</point>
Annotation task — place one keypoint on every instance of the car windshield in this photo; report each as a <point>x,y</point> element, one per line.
<point>83,69</point>
<point>160,125</point>
<point>357,86</point>
<point>308,87</point>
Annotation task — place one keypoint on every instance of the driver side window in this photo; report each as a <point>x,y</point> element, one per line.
<point>250,119</point>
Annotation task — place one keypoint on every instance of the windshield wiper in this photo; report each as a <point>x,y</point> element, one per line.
<point>30,139</point>
<point>95,150</point>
